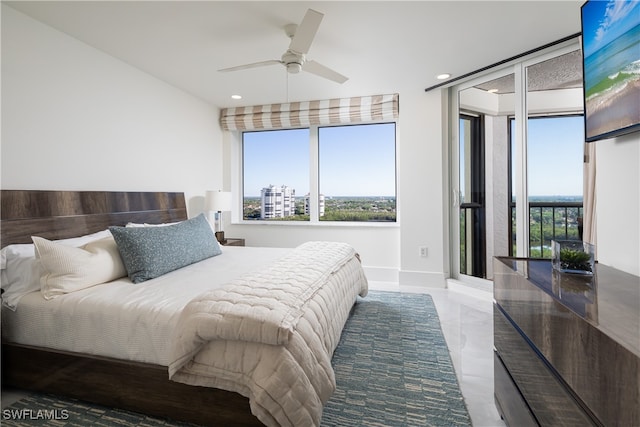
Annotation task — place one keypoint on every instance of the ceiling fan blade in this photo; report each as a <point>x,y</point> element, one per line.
<point>306,31</point>
<point>318,69</point>
<point>253,65</point>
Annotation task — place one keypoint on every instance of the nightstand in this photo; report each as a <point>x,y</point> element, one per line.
<point>233,242</point>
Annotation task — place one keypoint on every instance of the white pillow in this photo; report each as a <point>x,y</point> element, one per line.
<point>20,275</point>
<point>67,269</point>
<point>83,240</point>
<point>21,270</point>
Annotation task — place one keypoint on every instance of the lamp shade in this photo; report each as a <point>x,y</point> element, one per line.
<point>217,201</point>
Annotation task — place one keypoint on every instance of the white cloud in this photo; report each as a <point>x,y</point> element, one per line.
<point>616,11</point>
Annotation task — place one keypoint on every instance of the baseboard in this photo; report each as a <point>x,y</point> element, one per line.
<point>381,274</point>
<point>422,279</point>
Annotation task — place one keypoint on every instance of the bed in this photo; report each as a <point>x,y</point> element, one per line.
<point>244,349</point>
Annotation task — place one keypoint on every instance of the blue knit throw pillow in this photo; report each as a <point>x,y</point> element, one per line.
<point>149,252</point>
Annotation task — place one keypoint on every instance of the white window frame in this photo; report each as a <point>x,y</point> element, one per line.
<point>237,177</point>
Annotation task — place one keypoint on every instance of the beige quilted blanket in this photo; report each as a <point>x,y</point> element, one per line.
<point>270,335</point>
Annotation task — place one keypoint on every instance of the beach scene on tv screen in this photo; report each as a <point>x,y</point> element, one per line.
<point>611,48</point>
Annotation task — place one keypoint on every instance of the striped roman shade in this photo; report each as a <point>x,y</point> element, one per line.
<point>358,109</point>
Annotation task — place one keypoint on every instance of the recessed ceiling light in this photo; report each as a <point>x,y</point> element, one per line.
<point>443,76</point>
<point>493,91</point>
<point>236,97</point>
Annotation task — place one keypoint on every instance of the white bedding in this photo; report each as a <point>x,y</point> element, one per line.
<point>122,320</point>
<point>271,335</point>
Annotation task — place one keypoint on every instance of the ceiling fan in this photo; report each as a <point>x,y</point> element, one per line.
<point>294,59</point>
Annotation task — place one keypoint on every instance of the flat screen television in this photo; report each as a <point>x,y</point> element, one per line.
<point>610,67</point>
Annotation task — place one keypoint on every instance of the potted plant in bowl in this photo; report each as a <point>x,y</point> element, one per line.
<point>572,256</point>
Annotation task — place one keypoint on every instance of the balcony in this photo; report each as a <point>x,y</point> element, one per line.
<point>549,221</point>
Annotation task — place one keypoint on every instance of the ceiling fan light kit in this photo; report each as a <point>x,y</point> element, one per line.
<point>294,67</point>
<point>293,61</point>
<point>294,58</point>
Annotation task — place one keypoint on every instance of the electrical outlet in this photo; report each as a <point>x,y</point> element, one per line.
<point>423,251</point>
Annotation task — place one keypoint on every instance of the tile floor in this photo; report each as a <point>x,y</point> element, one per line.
<point>467,324</point>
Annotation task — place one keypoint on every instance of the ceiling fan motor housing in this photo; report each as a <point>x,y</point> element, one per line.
<point>293,61</point>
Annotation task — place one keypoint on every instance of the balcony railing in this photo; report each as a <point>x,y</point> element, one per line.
<point>549,221</point>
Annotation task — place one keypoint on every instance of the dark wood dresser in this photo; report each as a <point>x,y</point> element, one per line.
<point>567,348</point>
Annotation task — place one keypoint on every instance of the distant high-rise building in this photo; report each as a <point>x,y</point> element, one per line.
<point>320,205</point>
<point>277,202</point>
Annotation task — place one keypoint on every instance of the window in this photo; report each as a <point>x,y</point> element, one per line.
<point>357,172</point>
<point>276,173</point>
<point>355,179</point>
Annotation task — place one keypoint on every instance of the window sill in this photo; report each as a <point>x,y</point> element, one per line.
<point>350,224</point>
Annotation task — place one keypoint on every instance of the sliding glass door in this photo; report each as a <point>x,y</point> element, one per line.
<point>493,168</point>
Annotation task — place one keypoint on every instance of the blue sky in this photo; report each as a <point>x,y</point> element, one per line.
<point>555,155</point>
<point>360,160</point>
<point>604,21</point>
<point>354,160</point>
<point>279,157</point>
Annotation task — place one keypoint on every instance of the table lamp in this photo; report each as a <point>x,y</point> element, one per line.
<point>218,202</point>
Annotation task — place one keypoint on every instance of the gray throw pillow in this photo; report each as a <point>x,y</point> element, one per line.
<point>149,252</point>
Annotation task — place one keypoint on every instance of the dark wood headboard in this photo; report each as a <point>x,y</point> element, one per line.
<point>63,214</point>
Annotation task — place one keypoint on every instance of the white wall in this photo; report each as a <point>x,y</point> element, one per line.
<point>618,202</point>
<point>422,188</point>
<point>74,118</point>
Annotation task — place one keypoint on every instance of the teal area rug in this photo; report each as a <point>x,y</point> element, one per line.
<point>392,369</point>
